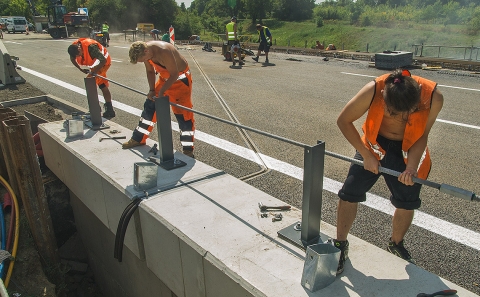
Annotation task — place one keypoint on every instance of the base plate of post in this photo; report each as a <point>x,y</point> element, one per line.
<point>90,125</point>
<point>293,234</point>
<point>167,165</point>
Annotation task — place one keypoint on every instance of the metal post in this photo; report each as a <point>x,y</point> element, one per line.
<point>438,56</point>
<point>96,122</point>
<point>312,200</point>
<point>421,50</point>
<point>367,47</point>
<point>166,158</point>
<point>471,53</point>
<point>31,188</point>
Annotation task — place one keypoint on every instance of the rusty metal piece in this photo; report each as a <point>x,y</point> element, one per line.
<point>31,189</point>
<point>7,169</point>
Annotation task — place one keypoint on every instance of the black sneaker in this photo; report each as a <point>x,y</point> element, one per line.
<point>255,59</point>
<point>400,251</point>
<point>343,247</point>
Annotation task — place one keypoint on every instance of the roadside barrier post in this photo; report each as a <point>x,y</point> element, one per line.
<point>8,71</point>
<point>7,166</point>
<point>309,227</point>
<point>95,122</point>
<point>165,158</point>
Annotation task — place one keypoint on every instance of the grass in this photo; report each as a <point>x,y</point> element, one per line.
<point>387,36</point>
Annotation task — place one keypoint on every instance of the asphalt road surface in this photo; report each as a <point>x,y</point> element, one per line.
<point>298,98</point>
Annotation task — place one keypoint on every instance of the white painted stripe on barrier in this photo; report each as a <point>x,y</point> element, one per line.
<point>438,226</point>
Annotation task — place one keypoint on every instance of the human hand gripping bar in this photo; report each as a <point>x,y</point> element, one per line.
<point>444,188</point>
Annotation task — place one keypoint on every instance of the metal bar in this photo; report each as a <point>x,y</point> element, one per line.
<point>93,103</point>
<point>31,188</point>
<point>164,128</point>
<point>312,193</point>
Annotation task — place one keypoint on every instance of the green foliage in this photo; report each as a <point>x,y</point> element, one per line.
<point>319,22</point>
<point>294,10</point>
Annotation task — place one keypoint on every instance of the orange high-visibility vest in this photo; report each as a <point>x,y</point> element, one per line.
<point>86,60</point>
<point>414,129</point>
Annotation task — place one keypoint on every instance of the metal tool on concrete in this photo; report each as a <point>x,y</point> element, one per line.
<point>277,217</point>
<point>439,293</point>
<point>116,137</point>
<point>154,149</point>
<point>265,207</point>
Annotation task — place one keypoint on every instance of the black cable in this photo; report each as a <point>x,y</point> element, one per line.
<point>118,237</point>
<point>122,228</point>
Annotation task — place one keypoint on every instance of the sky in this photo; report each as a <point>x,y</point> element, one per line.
<point>188,2</point>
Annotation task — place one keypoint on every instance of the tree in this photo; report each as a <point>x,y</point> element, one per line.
<point>294,10</point>
<point>258,10</point>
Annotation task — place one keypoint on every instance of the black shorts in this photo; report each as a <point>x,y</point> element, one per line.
<point>264,46</point>
<point>359,181</point>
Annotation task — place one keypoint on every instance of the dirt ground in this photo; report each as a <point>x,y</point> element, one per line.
<point>72,278</point>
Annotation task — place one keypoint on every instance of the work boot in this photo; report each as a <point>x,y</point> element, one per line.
<point>255,59</point>
<point>266,61</point>
<point>343,247</point>
<point>241,63</point>
<point>131,143</point>
<point>400,251</point>
<point>109,112</point>
<point>189,153</point>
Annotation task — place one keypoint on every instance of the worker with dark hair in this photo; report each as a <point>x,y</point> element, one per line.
<point>90,53</point>
<point>232,40</point>
<point>401,110</point>
<point>106,35</point>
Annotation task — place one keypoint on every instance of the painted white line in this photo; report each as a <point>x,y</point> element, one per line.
<point>423,220</point>
<point>438,120</point>
<point>12,42</point>
<point>118,61</point>
<point>121,46</point>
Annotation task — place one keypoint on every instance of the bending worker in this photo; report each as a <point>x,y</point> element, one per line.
<point>401,109</point>
<point>232,39</point>
<point>88,52</point>
<point>174,81</point>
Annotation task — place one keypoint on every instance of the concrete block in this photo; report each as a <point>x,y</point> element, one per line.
<point>193,276</point>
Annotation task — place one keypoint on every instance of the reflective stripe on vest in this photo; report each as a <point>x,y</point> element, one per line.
<point>231,31</point>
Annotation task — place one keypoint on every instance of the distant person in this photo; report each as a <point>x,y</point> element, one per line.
<point>400,112</point>
<point>232,40</point>
<point>265,40</point>
<point>90,53</point>
<point>331,47</point>
<point>166,37</point>
<point>26,29</point>
<point>106,35</point>
<point>155,34</point>
<point>174,80</point>
<point>318,45</point>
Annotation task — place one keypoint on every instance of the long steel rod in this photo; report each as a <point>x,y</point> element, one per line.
<point>445,188</point>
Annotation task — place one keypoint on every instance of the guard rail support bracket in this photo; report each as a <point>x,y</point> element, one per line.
<point>165,158</point>
<point>309,232</point>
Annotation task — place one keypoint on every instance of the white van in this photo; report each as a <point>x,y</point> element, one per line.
<point>16,24</point>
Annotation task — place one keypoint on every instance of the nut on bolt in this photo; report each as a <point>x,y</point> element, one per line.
<point>277,217</point>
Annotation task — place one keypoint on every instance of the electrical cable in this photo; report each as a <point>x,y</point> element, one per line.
<point>17,229</point>
<point>122,227</point>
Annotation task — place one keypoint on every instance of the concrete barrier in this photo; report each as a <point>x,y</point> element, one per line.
<point>8,73</point>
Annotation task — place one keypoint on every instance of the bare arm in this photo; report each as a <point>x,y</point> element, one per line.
<point>74,62</point>
<point>352,111</point>
<point>416,151</point>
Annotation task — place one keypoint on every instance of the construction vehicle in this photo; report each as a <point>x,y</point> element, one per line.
<point>61,23</point>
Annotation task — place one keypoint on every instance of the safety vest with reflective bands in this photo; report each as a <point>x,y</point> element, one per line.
<point>414,129</point>
<point>267,38</point>
<point>86,60</point>
<point>105,28</point>
<point>231,31</point>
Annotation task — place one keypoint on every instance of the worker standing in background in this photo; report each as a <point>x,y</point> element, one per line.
<point>174,80</point>
<point>166,37</point>
<point>90,53</point>
<point>265,40</point>
<point>232,40</point>
<point>106,35</point>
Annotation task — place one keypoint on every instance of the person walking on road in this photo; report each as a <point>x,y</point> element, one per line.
<point>106,35</point>
<point>232,40</point>
<point>265,40</point>
<point>90,53</point>
<point>401,110</point>
<point>174,81</point>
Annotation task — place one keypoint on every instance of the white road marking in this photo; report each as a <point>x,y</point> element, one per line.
<point>118,61</point>
<point>121,46</point>
<point>438,120</point>
<point>441,227</point>
<point>12,42</point>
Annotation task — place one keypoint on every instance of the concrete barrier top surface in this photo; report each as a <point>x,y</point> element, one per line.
<point>219,218</point>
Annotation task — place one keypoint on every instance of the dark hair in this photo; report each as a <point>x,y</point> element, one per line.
<point>73,50</point>
<point>234,18</point>
<point>402,92</point>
